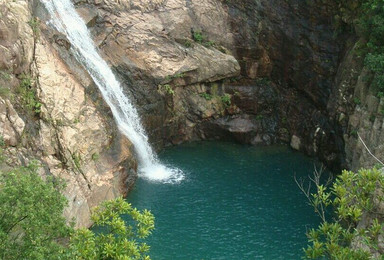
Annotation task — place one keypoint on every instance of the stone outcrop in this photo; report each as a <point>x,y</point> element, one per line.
<point>153,45</point>
<point>16,37</point>
<point>11,124</point>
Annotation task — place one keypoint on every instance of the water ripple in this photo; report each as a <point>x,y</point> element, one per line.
<point>238,202</point>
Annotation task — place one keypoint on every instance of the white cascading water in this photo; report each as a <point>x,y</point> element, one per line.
<point>66,20</point>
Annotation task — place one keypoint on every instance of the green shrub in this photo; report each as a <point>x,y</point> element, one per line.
<point>76,157</point>
<point>5,75</point>
<point>263,81</point>
<point>117,239</point>
<point>35,25</point>
<point>209,44</point>
<point>174,76</point>
<point>226,99</point>
<point>31,222</point>
<point>350,196</point>
<point>27,94</point>
<point>353,133</point>
<point>2,145</point>
<point>368,17</point>
<point>188,43</point>
<point>198,37</point>
<point>380,94</point>
<point>372,118</point>
<point>167,89</point>
<point>95,156</point>
<point>178,75</point>
<point>2,142</point>
<point>375,62</point>
<point>357,101</point>
<point>4,92</point>
<point>234,79</point>
<point>206,96</point>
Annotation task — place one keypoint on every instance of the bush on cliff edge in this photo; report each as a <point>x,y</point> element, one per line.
<point>356,229</point>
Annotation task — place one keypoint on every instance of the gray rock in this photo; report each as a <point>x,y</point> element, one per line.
<point>295,142</point>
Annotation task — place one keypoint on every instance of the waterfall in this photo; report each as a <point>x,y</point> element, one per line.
<point>67,21</point>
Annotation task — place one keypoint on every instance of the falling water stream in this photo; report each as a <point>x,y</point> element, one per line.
<point>66,20</point>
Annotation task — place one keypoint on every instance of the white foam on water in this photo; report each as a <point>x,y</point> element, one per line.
<point>161,173</point>
<point>67,21</point>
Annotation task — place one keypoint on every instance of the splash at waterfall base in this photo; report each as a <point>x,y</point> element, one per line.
<point>64,18</point>
<point>162,173</point>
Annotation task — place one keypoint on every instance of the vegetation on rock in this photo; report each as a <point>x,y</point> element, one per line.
<point>35,25</point>
<point>367,18</point>
<point>167,89</point>
<point>31,221</point>
<point>206,96</point>
<point>226,99</point>
<point>356,227</point>
<point>199,37</point>
<point>32,225</point>
<point>28,95</point>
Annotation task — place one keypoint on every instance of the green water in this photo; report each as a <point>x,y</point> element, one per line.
<point>236,202</point>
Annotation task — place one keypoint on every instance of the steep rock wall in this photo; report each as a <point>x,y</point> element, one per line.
<point>151,47</point>
<point>47,114</point>
<point>181,59</point>
<point>293,45</point>
<point>358,110</point>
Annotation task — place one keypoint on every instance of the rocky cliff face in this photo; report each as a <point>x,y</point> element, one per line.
<point>259,72</point>
<point>292,44</point>
<point>168,62</point>
<point>48,114</point>
<point>358,110</point>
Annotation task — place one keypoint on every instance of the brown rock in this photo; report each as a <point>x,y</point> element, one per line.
<point>11,125</point>
<point>16,36</point>
<point>73,132</point>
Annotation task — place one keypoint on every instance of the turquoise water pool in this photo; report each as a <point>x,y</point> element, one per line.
<point>236,202</point>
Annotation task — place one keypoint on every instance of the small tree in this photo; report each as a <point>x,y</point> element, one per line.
<point>31,220</point>
<point>117,239</point>
<point>352,196</point>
